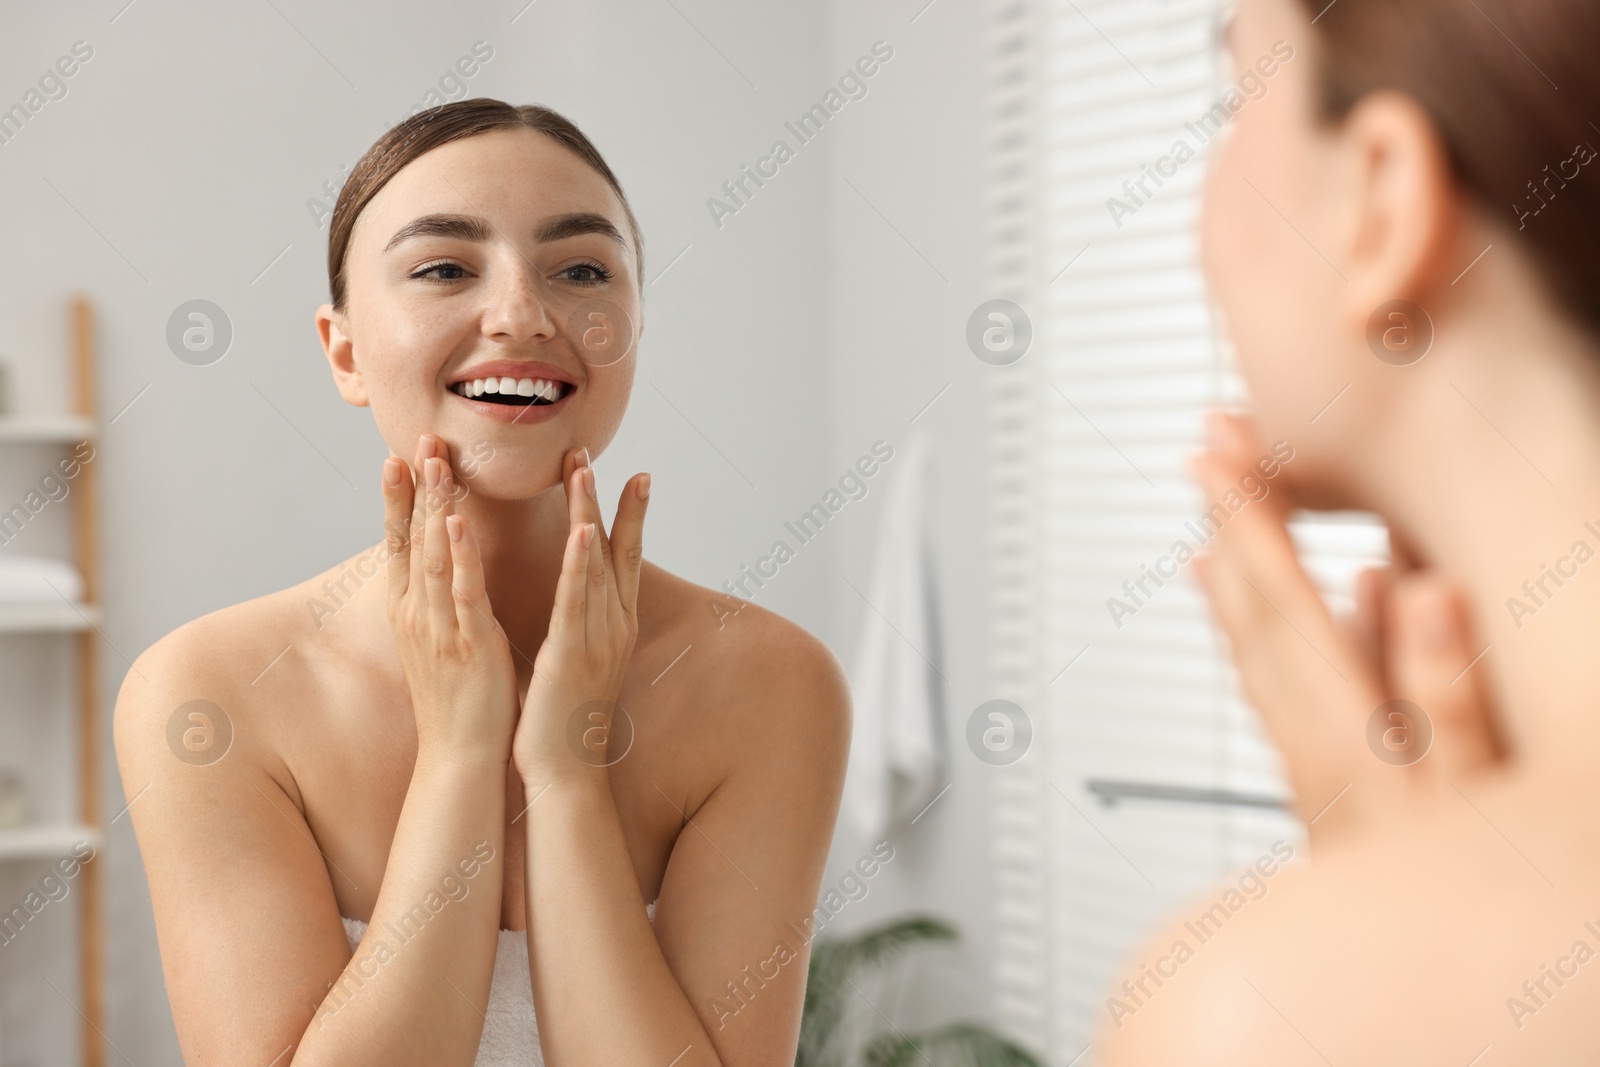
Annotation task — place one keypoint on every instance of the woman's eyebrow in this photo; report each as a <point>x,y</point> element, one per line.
<point>473,228</point>
<point>556,227</point>
<point>463,227</point>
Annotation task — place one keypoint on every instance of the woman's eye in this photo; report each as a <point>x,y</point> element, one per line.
<point>428,271</point>
<point>586,273</point>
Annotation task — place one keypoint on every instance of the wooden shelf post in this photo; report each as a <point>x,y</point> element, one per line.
<point>86,523</point>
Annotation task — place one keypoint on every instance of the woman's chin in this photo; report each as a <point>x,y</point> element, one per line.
<point>1314,486</point>
<point>504,489</point>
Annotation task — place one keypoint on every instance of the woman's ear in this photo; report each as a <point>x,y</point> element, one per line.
<point>1405,209</point>
<point>341,355</point>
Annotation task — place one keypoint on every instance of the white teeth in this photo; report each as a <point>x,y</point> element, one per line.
<point>539,387</point>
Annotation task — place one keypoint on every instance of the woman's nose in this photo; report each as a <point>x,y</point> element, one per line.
<point>521,306</point>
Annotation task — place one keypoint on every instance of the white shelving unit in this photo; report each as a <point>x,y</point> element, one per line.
<point>43,842</point>
<point>46,429</point>
<point>45,617</point>
<point>32,843</point>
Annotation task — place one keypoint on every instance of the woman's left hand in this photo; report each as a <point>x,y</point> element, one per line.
<point>567,715</point>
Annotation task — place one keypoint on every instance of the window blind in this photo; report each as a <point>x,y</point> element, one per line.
<point>1089,436</point>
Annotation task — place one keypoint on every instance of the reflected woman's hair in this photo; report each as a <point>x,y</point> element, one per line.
<point>1519,133</point>
<point>429,129</point>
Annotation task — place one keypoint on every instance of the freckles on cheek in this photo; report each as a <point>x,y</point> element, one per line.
<point>387,381</point>
<point>609,391</point>
<point>403,348</point>
<point>406,330</point>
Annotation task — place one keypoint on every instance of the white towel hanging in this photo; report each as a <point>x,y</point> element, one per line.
<point>898,757</point>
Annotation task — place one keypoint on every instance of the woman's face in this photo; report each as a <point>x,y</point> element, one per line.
<point>1269,217</point>
<point>495,259</point>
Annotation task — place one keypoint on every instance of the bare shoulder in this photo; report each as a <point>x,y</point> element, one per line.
<point>200,685</point>
<point>1344,960</point>
<point>229,856</point>
<point>770,679</point>
<point>1185,995</point>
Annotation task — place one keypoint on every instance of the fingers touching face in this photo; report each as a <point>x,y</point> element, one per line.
<point>419,515</point>
<point>615,558</point>
<point>417,503</point>
<point>1406,709</point>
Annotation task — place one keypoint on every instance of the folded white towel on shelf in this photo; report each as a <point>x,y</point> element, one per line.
<point>30,579</point>
<point>898,759</point>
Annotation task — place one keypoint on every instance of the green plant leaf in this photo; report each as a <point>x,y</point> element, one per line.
<point>835,962</point>
<point>956,1045</point>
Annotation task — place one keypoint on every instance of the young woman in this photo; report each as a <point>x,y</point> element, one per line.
<point>1439,154</point>
<point>498,766</point>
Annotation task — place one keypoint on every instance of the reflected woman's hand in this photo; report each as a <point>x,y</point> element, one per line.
<point>456,659</point>
<point>1341,702</point>
<point>568,716</point>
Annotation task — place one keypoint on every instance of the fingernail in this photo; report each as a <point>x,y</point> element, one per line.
<point>391,472</point>
<point>587,460</point>
<point>587,535</point>
<point>588,482</point>
<point>453,524</point>
<point>431,472</point>
<point>644,488</point>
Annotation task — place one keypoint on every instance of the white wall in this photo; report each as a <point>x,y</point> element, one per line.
<point>907,267</point>
<point>178,167</point>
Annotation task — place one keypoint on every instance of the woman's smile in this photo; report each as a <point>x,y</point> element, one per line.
<point>514,391</point>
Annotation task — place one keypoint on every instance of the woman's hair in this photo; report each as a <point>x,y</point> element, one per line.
<point>1513,87</point>
<point>440,125</point>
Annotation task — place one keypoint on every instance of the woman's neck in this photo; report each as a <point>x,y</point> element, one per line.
<point>522,543</point>
<point>1494,476</point>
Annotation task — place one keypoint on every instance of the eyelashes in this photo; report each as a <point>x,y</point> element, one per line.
<point>602,273</point>
<point>428,272</point>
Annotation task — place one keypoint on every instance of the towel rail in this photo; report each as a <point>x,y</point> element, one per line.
<point>1110,792</point>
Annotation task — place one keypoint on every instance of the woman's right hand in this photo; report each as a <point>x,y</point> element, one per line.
<point>456,658</point>
<point>1372,719</point>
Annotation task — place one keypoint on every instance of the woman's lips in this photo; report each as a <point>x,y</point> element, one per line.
<point>521,414</point>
